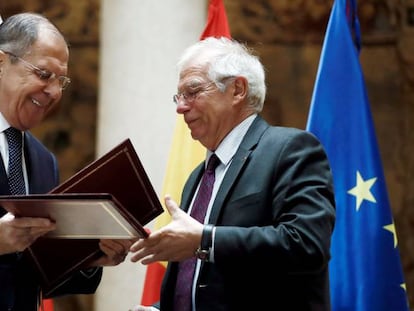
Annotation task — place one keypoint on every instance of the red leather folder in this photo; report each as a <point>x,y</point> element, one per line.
<point>114,189</point>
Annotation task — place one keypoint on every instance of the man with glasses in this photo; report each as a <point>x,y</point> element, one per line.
<point>262,241</point>
<point>33,68</point>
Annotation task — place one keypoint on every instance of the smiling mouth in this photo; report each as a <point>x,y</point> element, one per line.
<point>38,104</point>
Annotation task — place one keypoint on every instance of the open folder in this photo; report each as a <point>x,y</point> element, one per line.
<point>110,198</point>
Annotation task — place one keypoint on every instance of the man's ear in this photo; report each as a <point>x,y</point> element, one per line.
<point>240,88</point>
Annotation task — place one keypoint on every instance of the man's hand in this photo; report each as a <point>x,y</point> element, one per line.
<point>176,241</point>
<point>16,234</point>
<point>114,251</point>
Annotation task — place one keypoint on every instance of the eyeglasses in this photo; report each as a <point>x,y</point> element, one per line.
<point>44,75</point>
<point>191,95</point>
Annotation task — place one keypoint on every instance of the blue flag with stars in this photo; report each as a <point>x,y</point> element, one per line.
<point>365,268</point>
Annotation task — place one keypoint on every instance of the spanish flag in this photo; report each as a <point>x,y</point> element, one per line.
<point>185,154</point>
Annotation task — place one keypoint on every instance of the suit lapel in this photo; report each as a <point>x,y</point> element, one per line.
<point>39,181</point>
<point>191,184</point>
<point>234,170</point>
<point>237,165</point>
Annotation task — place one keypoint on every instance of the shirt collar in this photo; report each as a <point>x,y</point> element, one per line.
<point>228,147</point>
<point>3,123</point>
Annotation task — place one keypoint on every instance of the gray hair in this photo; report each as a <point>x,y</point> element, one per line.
<point>225,58</point>
<point>19,32</point>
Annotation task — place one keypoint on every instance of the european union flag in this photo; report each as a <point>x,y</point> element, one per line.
<point>365,269</point>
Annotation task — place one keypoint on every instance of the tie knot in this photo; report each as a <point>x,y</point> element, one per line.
<point>213,162</point>
<point>14,136</point>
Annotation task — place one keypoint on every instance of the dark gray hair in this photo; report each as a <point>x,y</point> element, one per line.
<point>19,32</point>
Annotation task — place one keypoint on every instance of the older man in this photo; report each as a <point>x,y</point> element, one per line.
<point>254,230</point>
<point>33,67</point>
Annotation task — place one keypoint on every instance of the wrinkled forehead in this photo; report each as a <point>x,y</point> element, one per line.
<point>49,42</point>
<point>49,32</point>
<point>193,75</point>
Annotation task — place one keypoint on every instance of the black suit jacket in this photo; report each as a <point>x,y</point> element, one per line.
<point>19,283</point>
<point>274,215</point>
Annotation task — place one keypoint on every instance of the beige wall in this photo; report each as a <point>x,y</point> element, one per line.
<point>140,43</point>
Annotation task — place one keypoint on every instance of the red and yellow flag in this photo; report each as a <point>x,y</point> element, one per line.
<point>185,154</point>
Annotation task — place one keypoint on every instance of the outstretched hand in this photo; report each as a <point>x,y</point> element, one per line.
<point>176,241</point>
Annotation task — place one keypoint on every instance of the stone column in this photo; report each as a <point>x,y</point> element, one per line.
<point>140,43</point>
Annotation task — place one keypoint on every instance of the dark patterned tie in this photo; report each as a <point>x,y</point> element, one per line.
<point>16,179</point>
<point>182,295</point>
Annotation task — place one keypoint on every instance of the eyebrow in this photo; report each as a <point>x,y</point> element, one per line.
<point>194,84</point>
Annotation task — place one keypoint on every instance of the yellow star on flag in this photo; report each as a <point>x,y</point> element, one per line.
<point>391,228</point>
<point>362,190</point>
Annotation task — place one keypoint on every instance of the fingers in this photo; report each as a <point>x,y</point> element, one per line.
<point>116,246</point>
<point>115,251</point>
<point>137,256</point>
<point>148,242</point>
<point>19,233</point>
<point>175,241</point>
<point>41,223</point>
<point>29,230</point>
<point>141,248</point>
<point>150,249</point>
<point>173,209</point>
<point>170,204</point>
<point>18,240</point>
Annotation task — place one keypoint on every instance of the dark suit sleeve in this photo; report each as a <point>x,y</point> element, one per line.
<point>280,212</point>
